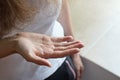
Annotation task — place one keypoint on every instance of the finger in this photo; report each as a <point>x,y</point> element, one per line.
<point>77,45</point>
<point>81,71</point>
<point>40,61</point>
<point>62,39</point>
<point>78,75</point>
<point>58,54</point>
<point>65,43</point>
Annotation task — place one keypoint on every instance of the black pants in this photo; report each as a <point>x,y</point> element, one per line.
<point>65,72</point>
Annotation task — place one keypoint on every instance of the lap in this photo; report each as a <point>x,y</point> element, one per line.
<point>65,72</point>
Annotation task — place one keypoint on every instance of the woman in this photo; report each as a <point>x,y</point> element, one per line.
<point>30,33</point>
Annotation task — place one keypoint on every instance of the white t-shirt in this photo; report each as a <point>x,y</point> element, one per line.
<point>15,67</point>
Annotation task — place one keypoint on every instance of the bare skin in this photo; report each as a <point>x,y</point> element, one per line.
<point>38,48</point>
<point>65,20</point>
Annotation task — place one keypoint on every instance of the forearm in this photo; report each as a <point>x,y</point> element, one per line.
<point>66,21</point>
<point>7,46</point>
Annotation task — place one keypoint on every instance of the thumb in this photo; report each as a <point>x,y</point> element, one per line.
<point>41,61</point>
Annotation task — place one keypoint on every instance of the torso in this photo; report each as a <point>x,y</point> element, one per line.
<point>14,67</point>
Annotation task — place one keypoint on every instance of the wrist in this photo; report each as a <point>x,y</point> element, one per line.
<point>7,47</point>
<point>12,43</point>
<point>75,55</point>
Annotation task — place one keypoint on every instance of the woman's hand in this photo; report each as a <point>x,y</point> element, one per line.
<point>78,65</point>
<point>37,48</point>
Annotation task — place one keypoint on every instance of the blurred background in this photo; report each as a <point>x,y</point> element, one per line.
<point>97,24</point>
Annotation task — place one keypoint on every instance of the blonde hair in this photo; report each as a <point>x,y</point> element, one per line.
<point>12,12</point>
